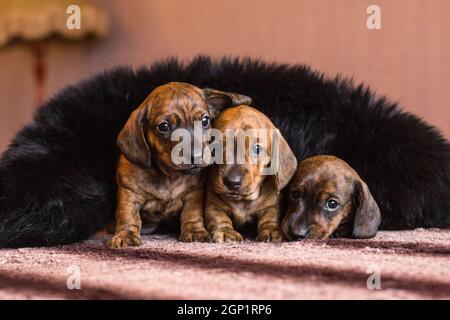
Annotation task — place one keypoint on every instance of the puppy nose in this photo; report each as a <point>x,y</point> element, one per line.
<point>298,233</point>
<point>233,181</point>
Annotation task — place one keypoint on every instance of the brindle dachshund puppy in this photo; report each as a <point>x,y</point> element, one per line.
<point>239,193</point>
<point>328,198</point>
<point>156,189</point>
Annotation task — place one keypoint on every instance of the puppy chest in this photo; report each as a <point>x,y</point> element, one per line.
<point>170,190</point>
<point>241,214</point>
<point>155,210</point>
<point>165,198</point>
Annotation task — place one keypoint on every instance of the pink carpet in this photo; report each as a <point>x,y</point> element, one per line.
<point>411,264</point>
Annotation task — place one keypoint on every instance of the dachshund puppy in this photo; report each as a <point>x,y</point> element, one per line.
<point>151,187</point>
<point>241,191</point>
<point>328,198</point>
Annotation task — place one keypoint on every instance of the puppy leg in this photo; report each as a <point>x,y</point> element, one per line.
<point>128,220</point>
<point>192,225</point>
<point>269,226</point>
<point>220,225</point>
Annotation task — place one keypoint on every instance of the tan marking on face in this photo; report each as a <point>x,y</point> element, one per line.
<point>180,105</point>
<point>242,119</point>
<point>257,197</point>
<point>319,179</point>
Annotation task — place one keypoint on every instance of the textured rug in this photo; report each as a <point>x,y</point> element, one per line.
<point>394,265</point>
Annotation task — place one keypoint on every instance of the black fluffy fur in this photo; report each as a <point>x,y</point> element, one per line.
<point>57,181</point>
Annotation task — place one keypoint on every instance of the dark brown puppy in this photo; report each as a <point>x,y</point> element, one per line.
<point>241,192</point>
<point>327,197</point>
<point>151,186</point>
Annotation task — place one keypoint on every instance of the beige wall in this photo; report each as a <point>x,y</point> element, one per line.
<point>407,60</point>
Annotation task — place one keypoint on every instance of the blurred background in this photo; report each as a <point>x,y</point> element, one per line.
<point>407,60</point>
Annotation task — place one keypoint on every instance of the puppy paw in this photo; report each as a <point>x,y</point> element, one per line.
<point>226,235</point>
<point>125,239</point>
<point>196,235</point>
<point>270,235</point>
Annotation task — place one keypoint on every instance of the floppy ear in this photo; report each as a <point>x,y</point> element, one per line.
<point>132,142</point>
<point>285,161</point>
<point>219,100</point>
<point>367,214</point>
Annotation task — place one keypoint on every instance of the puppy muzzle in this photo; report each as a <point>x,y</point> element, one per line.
<point>294,230</point>
<point>233,181</point>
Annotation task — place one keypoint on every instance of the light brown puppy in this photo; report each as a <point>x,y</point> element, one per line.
<point>328,198</point>
<point>151,186</point>
<point>239,193</point>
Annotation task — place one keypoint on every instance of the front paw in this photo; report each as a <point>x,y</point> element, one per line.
<point>226,235</point>
<point>125,239</point>
<point>196,235</point>
<point>270,235</point>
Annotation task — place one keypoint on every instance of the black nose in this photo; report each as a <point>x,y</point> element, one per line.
<point>233,180</point>
<point>297,236</point>
<point>298,232</point>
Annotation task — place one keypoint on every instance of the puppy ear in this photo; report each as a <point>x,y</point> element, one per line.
<point>132,142</point>
<point>367,214</point>
<point>285,160</point>
<point>219,100</point>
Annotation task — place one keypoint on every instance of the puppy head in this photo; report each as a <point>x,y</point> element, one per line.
<point>328,197</point>
<point>251,146</point>
<point>172,106</point>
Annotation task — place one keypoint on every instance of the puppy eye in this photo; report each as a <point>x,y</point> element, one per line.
<point>164,127</point>
<point>205,122</point>
<point>331,205</point>
<point>294,195</point>
<point>257,149</point>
